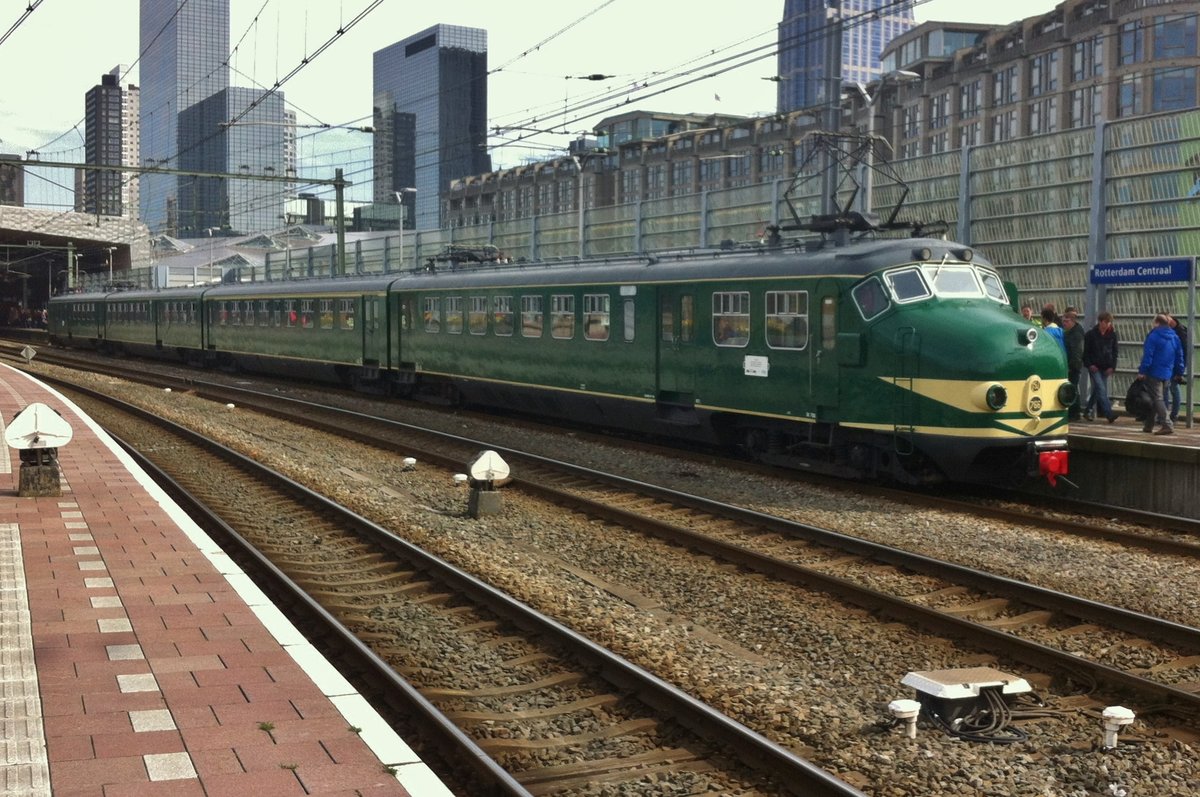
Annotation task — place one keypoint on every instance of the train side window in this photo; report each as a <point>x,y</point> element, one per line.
<point>454,314</point>
<point>596,316</point>
<point>293,318</point>
<point>502,315</point>
<point>667,318</point>
<point>306,314</point>
<point>532,316</point>
<point>432,314</point>
<point>687,318</point>
<point>908,285</point>
<point>870,298</point>
<point>562,316</point>
<point>993,286</point>
<point>828,323</point>
<point>264,313</point>
<point>731,318</point>
<point>787,319</point>
<point>627,326</point>
<point>477,316</point>
<point>346,314</point>
<point>327,314</point>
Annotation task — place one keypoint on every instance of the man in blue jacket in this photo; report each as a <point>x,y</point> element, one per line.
<point>1162,361</point>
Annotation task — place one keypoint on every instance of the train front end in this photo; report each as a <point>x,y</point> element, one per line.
<point>969,384</point>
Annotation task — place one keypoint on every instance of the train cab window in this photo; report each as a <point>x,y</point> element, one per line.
<point>787,319</point>
<point>432,314</point>
<point>502,315</point>
<point>562,316</point>
<point>731,318</point>
<point>596,316</point>
<point>454,314</point>
<point>870,298</point>
<point>993,286</point>
<point>345,318</point>
<point>627,326</point>
<point>477,316</point>
<point>532,316</point>
<point>907,285</point>
<point>953,281</point>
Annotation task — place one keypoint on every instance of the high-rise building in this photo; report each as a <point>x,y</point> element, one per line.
<point>430,97</point>
<point>867,27</point>
<point>253,146</point>
<point>12,180</point>
<point>184,50</point>
<point>110,136</point>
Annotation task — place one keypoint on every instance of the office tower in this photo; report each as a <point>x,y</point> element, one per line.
<point>12,180</point>
<point>110,135</point>
<point>184,48</point>
<point>430,97</point>
<point>867,27</point>
<point>254,146</point>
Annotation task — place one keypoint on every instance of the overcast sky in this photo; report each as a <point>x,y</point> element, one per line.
<point>535,50</point>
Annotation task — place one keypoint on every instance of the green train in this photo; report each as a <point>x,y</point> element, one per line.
<point>898,359</point>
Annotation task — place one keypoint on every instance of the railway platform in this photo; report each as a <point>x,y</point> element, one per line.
<point>1119,464</point>
<point>137,659</point>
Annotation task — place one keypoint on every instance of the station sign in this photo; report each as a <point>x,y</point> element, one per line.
<point>1127,272</point>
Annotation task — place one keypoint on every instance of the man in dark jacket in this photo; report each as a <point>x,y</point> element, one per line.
<point>1073,342</point>
<point>1100,360</point>
<point>1182,331</point>
<point>1162,360</point>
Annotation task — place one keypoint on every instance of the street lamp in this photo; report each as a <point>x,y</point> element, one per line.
<point>400,201</point>
<point>110,251</point>
<point>897,76</point>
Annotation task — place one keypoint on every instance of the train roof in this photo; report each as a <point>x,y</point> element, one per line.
<point>855,259</point>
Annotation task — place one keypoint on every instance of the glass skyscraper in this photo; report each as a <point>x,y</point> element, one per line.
<point>430,97</point>
<point>868,26</point>
<point>255,145</point>
<point>184,49</point>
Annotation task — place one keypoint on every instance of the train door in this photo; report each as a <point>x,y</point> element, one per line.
<point>676,345</point>
<point>908,347</point>
<point>825,387</point>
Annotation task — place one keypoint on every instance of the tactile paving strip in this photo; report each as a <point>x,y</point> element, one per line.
<point>24,771</point>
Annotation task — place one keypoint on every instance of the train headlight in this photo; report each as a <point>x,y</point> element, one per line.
<point>991,396</point>
<point>1026,337</point>
<point>1067,394</point>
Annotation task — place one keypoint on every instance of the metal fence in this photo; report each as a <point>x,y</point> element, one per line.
<point>1040,208</point>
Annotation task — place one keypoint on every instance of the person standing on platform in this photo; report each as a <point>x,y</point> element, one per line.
<point>1027,314</point>
<point>1100,360</point>
<point>1162,360</point>
<point>1051,327</point>
<point>1182,331</point>
<point>1073,336</point>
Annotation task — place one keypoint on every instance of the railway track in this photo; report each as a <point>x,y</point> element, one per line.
<point>1157,533</point>
<point>1025,622</point>
<point>553,709</point>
